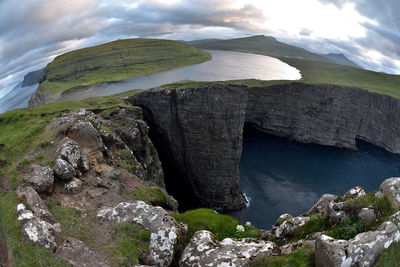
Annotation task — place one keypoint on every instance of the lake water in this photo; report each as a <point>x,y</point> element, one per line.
<point>284,176</point>
<point>225,65</point>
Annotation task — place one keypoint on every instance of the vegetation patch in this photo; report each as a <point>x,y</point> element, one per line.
<point>151,195</point>
<point>389,257</point>
<point>317,223</point>
<point>347,228</point>
<point>222,226</point>
<point>303,257</point>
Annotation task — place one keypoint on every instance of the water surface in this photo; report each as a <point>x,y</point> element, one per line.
<point>224,65</point>
<point>281,175</point>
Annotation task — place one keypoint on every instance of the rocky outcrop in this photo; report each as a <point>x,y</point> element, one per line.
<point>392,188</point>
<point>197,130</point>
<point>198,133</point>
<point>41,178</point>
<point>166,232</point>
<point>38,99</point>
<point>362,250</point>
<point>205,250</point>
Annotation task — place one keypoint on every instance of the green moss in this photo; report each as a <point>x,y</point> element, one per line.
<point>151,195</point>
<point>222,226</point>
<point>129,243</point>
<point>303,257</point>
<point>115,61</point>
<point>24,252</point>
<point>389,257</point>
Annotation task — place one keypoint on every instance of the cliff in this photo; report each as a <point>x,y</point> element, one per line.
<point>198,133</point>
<point>198,130</point>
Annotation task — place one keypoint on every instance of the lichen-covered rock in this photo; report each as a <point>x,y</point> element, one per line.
<point>36,204</point>
<point>289,227</point>
<point>71,152</point>
<point>395,218</point>
<point>41,178</point>
<point>391,187</point>
<point>282,218</point>
<point>166,232</point>
<point>362,250</point>
<point>292,247</point>
<point>205,250</point>
<point>41,232</point>
<point>323,204</point>
<point>337,210</point>
<point>64,170</point>
<point>73,186</point>
<point>80,255</point>
<point>354,193</point>
<point>367,216</point>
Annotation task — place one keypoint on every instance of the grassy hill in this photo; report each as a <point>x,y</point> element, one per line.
<point>116,60</point>
<point>313,67</point>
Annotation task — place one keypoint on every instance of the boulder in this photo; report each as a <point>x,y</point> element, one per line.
<point>282,218</point>
<point>78,254</point>
<point>292,247</point>
<point>336,212</point>
<point>86,136</point>
<point>71,152</point>
<point>41,232</point>
<point>362,250</point>
<point>290,226</point>
<point>166,232</point>
<point>322,206</point>
<point>205,250</point>
<point>391,187</point>
<point>42,178</point>
<point>367,216</point>
<point>36,204</point>
<point>354,193</point>
<point>73,186</point>
<point>64,170</point>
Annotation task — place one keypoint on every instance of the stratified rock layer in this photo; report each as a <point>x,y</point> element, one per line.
<point>199,136</point>
<point>198,130</point>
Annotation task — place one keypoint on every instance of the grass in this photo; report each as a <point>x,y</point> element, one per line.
<point>115,61</point>
<point>151,195</point>
<point>389,257</point>
<point>303,257</point>
<point>222,226</point>
<point>129,244</point>
<point>23,251</point>
<point>316,223</point>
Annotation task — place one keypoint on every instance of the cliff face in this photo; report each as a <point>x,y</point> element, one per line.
<point>326,114</point>
<point>198,133</point>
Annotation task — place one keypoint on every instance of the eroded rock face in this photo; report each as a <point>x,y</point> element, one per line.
<point>42,178</point>
<point>362,250</point>
<point>391,187</point>
<point>205,250</point>
<point>166,232</point>
<point>198,133</point>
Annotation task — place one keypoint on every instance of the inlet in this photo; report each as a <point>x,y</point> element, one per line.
<point>280,175</point>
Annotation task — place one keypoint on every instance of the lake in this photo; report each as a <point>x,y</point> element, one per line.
<point>284,176</point>
<point>224,65</point>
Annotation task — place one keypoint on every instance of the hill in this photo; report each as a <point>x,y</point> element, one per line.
<point>268,45</point>
<point>114,61</point>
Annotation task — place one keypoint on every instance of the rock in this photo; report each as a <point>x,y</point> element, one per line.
<point>395,218</point>
<point>336,212</point>
<point>172,203</point>
<point>292,247</point>
<point>166,232</point>
<point>289,227</point>
<point>73,186</point>
<point>63,170</point>
<point>322,206</point>
<point>362,250</point>
<point>282,218</point>
<point>391,187</point>
<point>354,193</point>
<point>205,250</point>
<point>41,232</point>
<point>367,216</point>
<point>71,152</point>
<point>198,134</point>
<point>38,99</point>
<point>378,195</point>
<point>25,215</point>
<point>42,178</point>
<point>36,204</point>
<point>78,254</point>
<point>86,136</point>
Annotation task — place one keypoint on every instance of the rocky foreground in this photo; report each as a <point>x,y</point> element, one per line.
<point>88,174</point>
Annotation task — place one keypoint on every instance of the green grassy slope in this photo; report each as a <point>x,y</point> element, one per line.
<point>116,60</point>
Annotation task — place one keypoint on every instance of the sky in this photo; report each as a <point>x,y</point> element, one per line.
<point>33,32</point>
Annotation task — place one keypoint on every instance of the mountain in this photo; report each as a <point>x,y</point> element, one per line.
<point>342,60</point>
<point>268,45</point>
<point>33,77</point>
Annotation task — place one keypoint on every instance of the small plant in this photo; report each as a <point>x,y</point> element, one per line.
<point>348,228</point>
<point>240,228</point>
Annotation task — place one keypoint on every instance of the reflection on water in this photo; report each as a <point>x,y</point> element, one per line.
<point>225,65</point>
<point>281,175</point>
